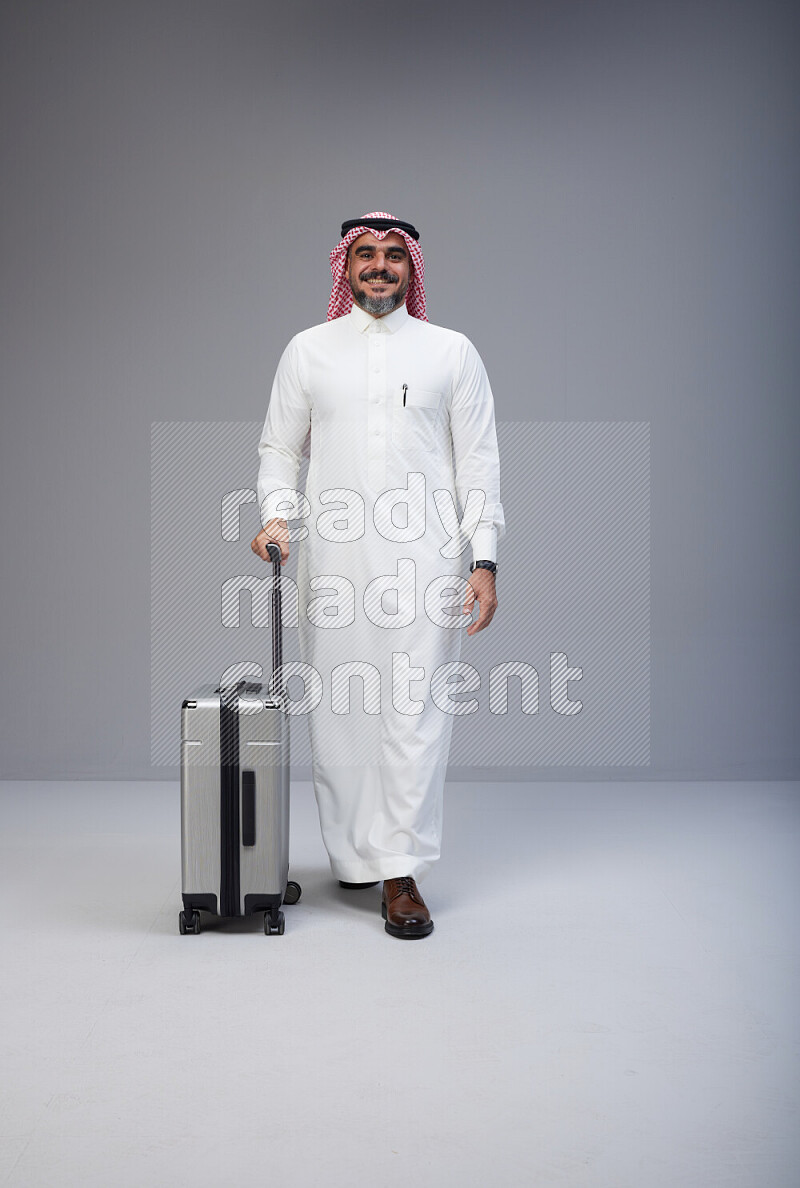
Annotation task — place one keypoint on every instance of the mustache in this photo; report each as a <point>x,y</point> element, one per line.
<point>380,276</point>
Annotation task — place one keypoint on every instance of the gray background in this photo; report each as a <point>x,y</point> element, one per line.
<point>607,194</point>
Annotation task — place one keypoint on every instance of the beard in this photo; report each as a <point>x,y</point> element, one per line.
<point>379,305</point>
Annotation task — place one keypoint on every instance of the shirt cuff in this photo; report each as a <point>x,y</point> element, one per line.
<point>484,544</point>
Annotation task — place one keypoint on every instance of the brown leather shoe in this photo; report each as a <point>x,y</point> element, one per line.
<point>404,910</point>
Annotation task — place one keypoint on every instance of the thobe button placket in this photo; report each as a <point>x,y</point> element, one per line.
<point>376,412</point>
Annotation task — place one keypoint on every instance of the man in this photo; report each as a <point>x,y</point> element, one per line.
<point>398,416</point>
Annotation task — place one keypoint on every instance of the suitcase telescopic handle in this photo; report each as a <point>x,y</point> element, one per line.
<point>277,632</point>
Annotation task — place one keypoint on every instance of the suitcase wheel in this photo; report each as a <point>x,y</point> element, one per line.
<point>293,892</point>
<point>186,924</point>
<point>274,927</point>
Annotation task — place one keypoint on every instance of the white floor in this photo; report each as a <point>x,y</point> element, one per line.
<point>609,1000</point>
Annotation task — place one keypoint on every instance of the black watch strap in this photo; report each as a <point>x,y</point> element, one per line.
<point>490,565</point>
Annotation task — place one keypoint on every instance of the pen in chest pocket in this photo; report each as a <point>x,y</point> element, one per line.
<point>405,393</point>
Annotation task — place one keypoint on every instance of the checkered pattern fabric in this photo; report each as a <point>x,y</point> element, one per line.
<point>341,301</point>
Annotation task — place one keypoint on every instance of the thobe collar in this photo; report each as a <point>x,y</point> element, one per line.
<point>389,324</point>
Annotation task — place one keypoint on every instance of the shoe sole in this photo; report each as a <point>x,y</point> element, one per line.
<point>357,886</point>
<point>409,932</point>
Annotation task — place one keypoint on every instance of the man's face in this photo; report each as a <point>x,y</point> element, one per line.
<point>379,272</point>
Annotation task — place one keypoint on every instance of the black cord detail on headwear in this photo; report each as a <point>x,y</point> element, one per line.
<point>380,225</point>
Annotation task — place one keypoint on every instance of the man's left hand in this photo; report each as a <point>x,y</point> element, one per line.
<point>481,587</point>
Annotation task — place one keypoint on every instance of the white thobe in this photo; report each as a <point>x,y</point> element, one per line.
<point>390,404</point>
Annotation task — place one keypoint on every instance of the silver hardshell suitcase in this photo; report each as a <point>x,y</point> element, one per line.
<point>235,797</point>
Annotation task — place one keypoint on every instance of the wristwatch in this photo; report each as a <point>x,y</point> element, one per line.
<point>490,565</point>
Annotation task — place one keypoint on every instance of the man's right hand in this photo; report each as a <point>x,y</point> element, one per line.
<point>276,532</point>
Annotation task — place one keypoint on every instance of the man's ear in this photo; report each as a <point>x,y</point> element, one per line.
<point>347,263</point>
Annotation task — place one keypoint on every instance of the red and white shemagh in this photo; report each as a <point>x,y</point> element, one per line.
<point>341,301</point>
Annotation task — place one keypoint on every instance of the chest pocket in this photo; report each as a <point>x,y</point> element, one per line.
<point>415,426</point>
